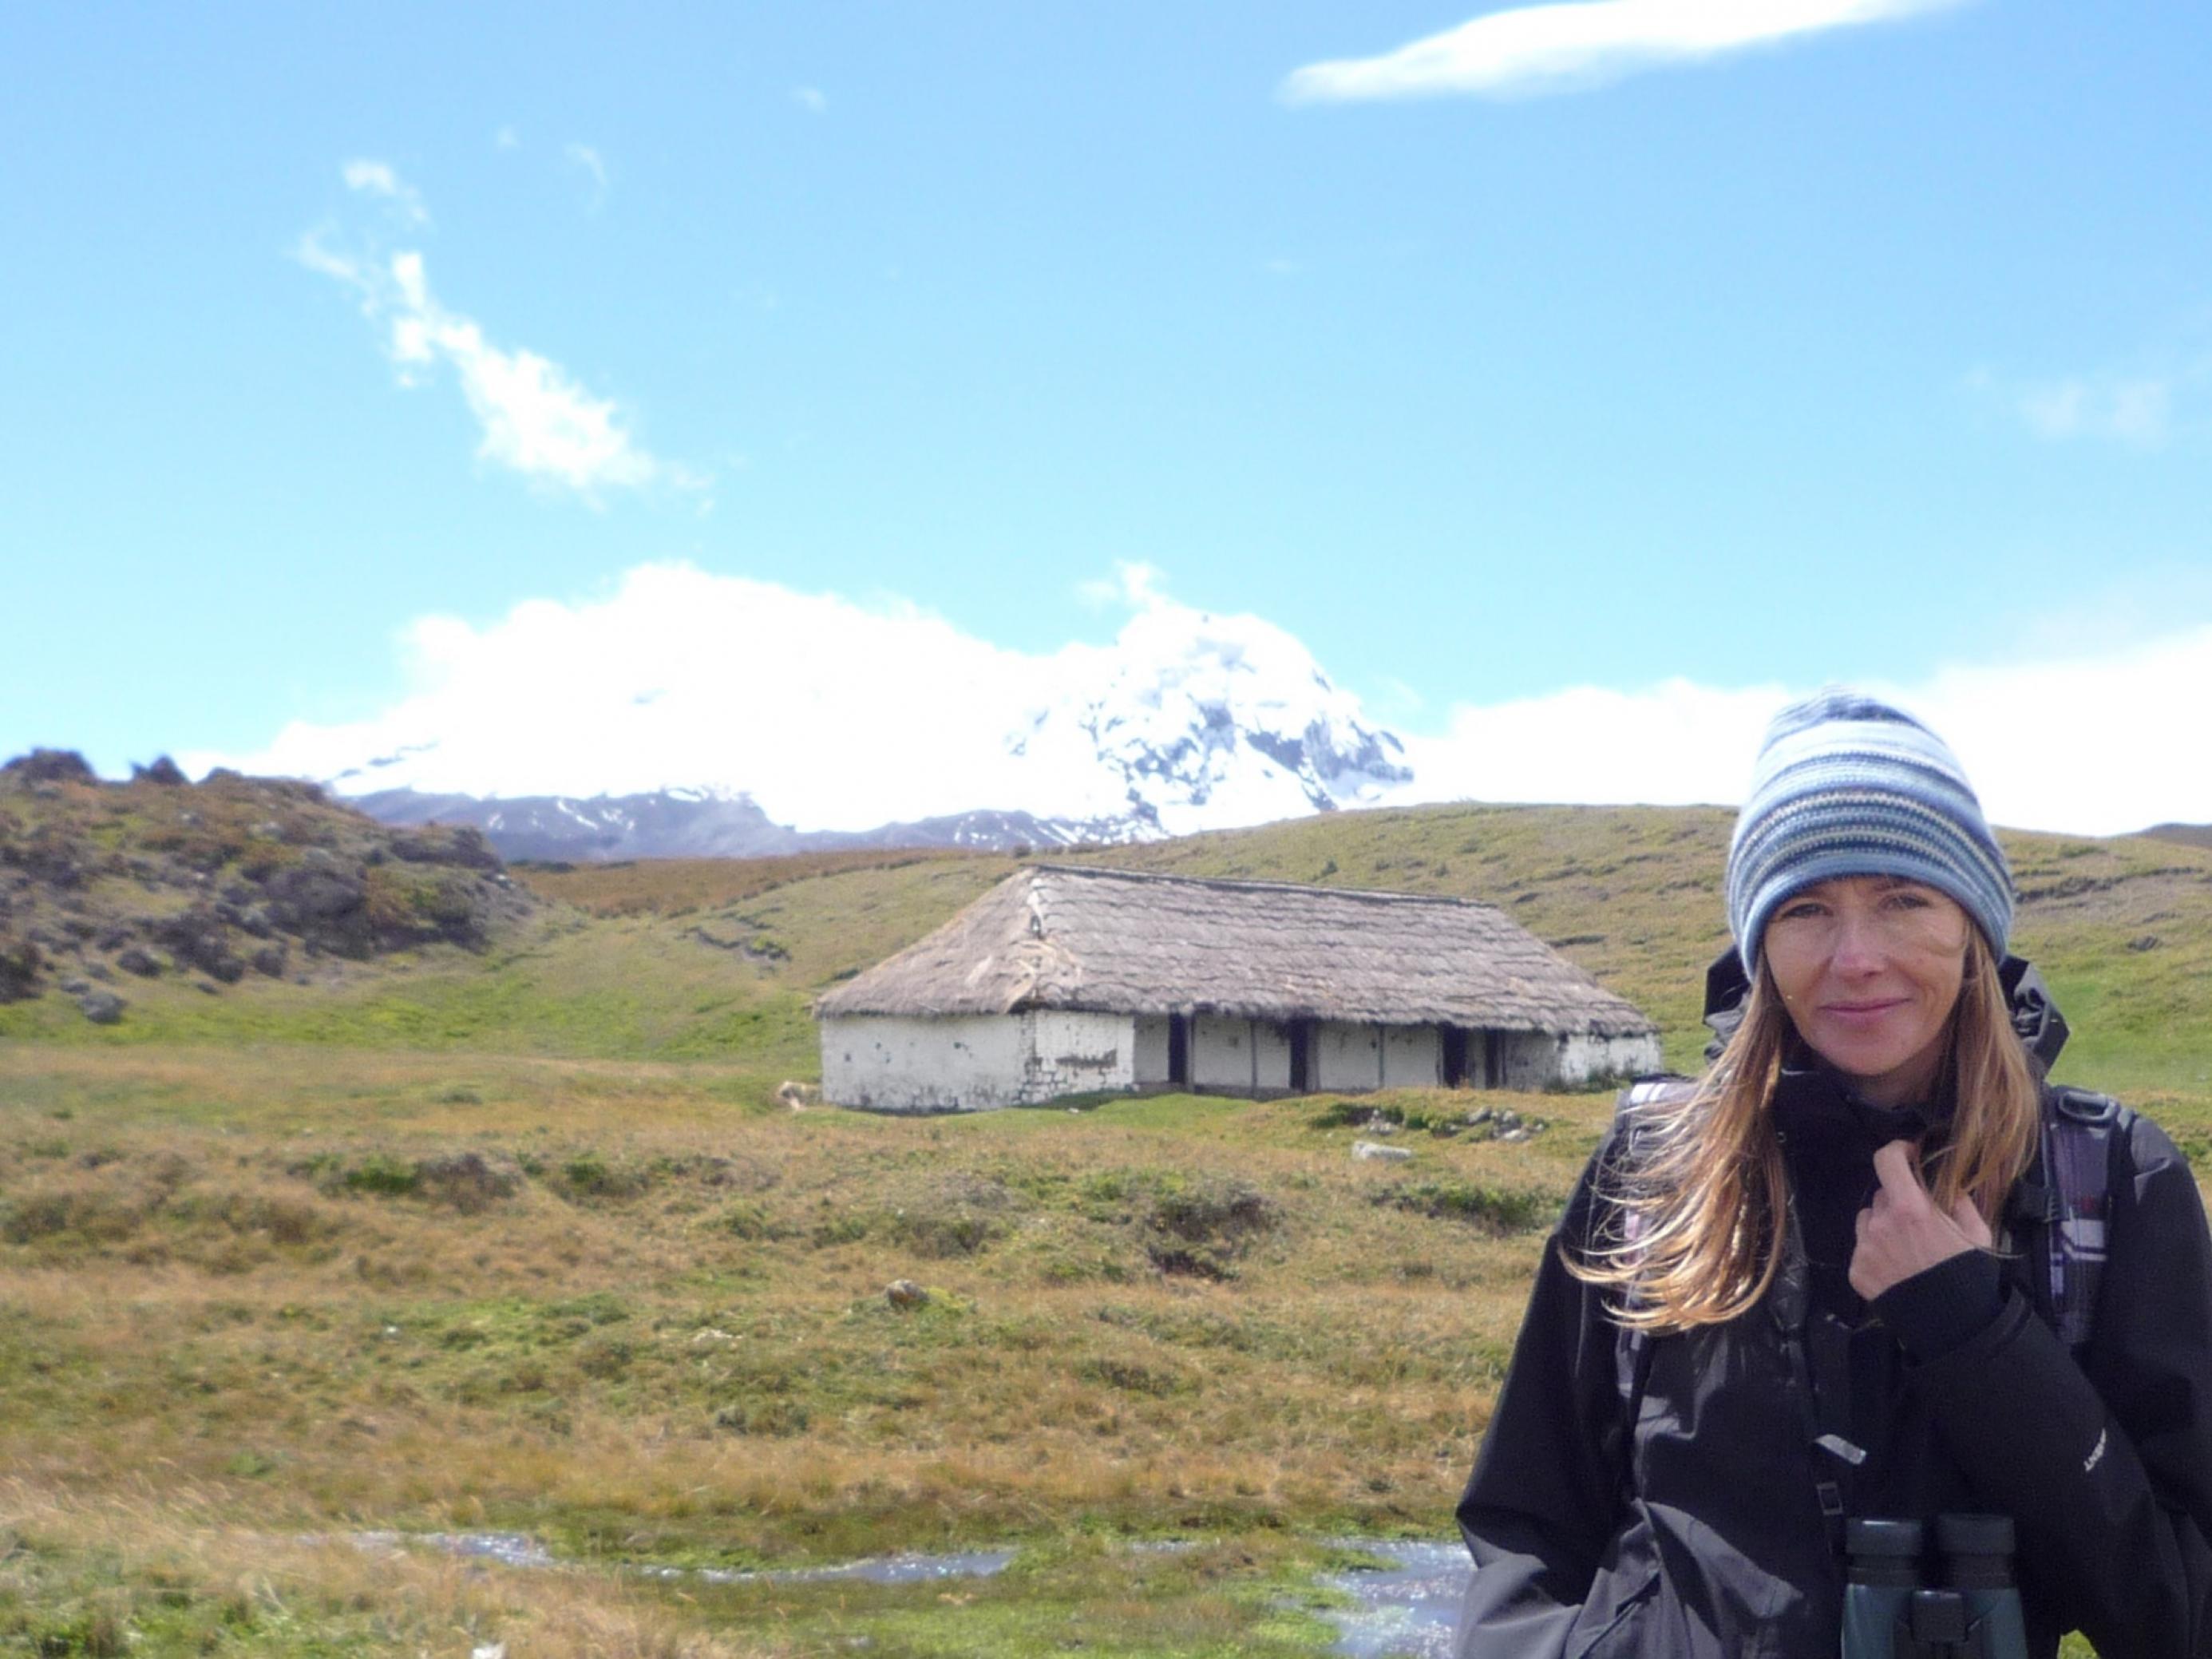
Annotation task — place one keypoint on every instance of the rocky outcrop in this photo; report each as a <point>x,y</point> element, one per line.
<point>218,880</point>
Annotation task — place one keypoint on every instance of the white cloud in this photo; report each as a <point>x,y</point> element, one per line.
<point>832,713</point>
<point>506,139</point>
<point>2135,412</point>
<point>1133,583</point>
<point>812,99</point>
<point>533,417</point>
<point>2156,395</point>
<point>377,179</point>
<point>1533,49</point>
<point>836,714</point>
<point>2087,742</point>
<point>594,168</point>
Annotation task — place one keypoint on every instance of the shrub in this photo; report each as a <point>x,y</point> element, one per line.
<point>1211,1211</point>
<point>1495,1210</point>
<point>590,1176</point>
<point>1200,1227</point>
<point>383,1174</point>
<point>1129,1377</point>
<point>468,1182</point>
<point>776,1419</point>
<point>955,1215</point>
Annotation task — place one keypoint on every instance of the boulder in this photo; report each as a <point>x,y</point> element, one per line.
<point>101,1007</point>
<point>321,898</point>
<point>145,964</point>
<point>197,939</point>
<point>20,962</point>
<point>1375,1153</point>
<point>164,772</point>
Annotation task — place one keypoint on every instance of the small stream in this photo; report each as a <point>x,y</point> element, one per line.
<point>1410,1611</point>
<point>1407,1611</point>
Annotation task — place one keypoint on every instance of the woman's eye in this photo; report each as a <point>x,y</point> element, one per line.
<point>1906,898</point>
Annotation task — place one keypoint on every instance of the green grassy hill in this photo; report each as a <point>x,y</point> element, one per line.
<point>718,960</point>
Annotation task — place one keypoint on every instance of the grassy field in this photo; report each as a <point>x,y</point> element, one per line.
<point>521,1241</point>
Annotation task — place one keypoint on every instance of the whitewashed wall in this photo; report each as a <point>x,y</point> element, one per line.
<point>1271,1054</point>
<point>1413,1057</point>
<point>1584,1060</point>
<point>1346,1056</point>
<point>1543,1060</point>
<point>1220,1052</point>
<point>973,1062</point>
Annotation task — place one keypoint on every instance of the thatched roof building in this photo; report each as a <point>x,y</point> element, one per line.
<point>1257,986</point>
<point>1116,941</point>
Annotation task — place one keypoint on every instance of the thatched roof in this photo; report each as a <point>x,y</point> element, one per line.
<point>1056,936</point>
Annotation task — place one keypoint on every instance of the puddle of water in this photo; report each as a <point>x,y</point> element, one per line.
<point>886,1570</point>
<point>515,1549</point>
<point>1410,1611</point>
<point>509,1549</point>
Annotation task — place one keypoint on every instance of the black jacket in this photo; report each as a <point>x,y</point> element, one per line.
<point>1699,1534</point>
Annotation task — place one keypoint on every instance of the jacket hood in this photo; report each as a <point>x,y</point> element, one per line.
<point>2035,1016</point>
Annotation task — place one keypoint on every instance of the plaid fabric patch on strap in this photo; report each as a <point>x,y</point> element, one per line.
<point>2077,1161</point>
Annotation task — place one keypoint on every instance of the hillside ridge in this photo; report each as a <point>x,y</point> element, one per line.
<point>103,883</point>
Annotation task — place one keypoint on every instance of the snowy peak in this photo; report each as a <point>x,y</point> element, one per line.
<point>694,712</point>
<point>1204,722</point>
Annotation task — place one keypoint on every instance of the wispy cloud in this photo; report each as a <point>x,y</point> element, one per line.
<point>534,417</point>
<point>1135,584</point>
<point>594,169</point>
<point>1533,49</point>
<point>378,180</point>
<point>506,139</point>
<point>812,99</point>
<point>2157,399</point>
<point>2133,411</point>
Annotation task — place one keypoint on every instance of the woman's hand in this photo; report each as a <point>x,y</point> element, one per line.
<point>1902,1232</point>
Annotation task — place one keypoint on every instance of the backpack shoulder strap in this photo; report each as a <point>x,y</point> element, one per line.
<point>2066,1203</point>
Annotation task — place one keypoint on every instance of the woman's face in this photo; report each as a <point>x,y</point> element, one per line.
<point>1869,968</point>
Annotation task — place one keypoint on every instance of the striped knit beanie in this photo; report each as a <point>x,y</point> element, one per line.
<point>1847,785</point>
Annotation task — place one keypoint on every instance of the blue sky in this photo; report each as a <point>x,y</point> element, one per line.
<point>1877,351</point>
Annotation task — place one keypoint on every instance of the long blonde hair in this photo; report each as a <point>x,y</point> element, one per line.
<point>1693,1232</point>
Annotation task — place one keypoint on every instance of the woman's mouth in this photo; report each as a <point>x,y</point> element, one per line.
<point>1867,1012</point>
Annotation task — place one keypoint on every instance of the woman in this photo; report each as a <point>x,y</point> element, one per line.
<point>1794,1291</point>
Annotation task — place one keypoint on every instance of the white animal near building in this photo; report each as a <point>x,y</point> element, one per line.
<point>1072,980</point>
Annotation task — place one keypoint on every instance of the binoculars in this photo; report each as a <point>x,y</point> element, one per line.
<point>1891,1610</point>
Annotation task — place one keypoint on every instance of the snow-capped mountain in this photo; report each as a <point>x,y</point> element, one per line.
<point>699,714</point>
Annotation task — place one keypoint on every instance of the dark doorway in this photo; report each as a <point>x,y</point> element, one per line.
<point>1179,1050</point>
<point>1494,1059</point>
<point>1454,1056</point>
<point>1301,1036</point>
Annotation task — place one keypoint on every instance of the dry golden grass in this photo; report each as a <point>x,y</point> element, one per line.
<point>635,1322</point>
<point>175,1564</point>
<point>667,886</point>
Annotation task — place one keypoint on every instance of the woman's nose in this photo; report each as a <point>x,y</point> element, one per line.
<point>1861,946</point>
